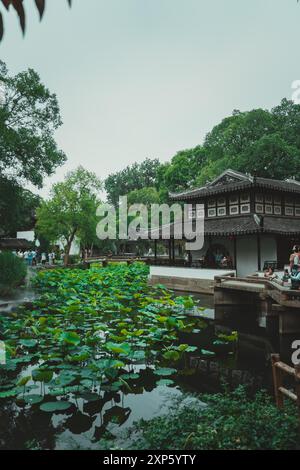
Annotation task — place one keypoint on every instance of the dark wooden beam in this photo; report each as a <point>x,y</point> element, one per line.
<point>258,252</point>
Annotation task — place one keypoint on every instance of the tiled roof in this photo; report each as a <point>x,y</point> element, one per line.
<point>242,225</point>
<point>281,225</point>
<point>239,182</point>
<point>14,243</point>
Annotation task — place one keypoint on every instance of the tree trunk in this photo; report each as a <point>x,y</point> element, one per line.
<point>68,248</point>
<point>67,254</point>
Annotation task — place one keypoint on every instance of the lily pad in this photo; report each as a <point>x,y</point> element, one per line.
<point>29,343</point>
<point>33,399</point>
<point>70,337</point>
<point>165,382</point>
<point>56,406</point>
<point>165,371</point>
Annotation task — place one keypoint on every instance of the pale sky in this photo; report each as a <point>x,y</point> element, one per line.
<point>147,78</point>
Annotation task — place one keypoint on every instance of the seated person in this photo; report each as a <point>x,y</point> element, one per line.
<point>286,276</point>
<point>295,278</point>
<point>269,273</point>
<point>285,280</point>
<point>218,258</point>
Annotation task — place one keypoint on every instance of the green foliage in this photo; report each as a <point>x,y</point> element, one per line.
<point>260,142</point>
<point>71,210</point>
<point>181,173</point>
<point>17,208</point>
<point>29,116</point>
<point>231,421</point>
<point>88,330</point>
<point>145,196</point>
<point>263,143</point>
<point>133,177</point>
<point>12,272</point>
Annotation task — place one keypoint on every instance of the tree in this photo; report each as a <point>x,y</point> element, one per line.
<point>71,210</point>
<point>17,208</point>
<point>181,173</point>
<point>146,196</point>
<point>261,142</point>
<point>29,116</point>
<point>271,155</point>
<point>18,6</point>
<point>136,176</point>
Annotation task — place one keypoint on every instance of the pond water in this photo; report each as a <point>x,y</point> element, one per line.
<point>103,412</point>
<point>23,294</point>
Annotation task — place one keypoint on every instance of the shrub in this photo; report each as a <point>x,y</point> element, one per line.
<point>74,259</point>
<point>231,421</point>
<point>12,272</point>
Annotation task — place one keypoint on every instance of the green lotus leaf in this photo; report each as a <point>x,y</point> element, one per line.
<point>29,343</point>
<point>165,382</point>
<point>172,356</point>
<point>33,399</point>
<point>42,375</point>
<point>70,337</point>
<point>118,348</point>
<point>56,406</point>
<point>165,371</point>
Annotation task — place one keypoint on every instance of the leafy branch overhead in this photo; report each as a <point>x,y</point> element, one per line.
<point>19,8</point>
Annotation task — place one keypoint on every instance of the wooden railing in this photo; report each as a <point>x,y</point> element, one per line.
<point>280,369</point>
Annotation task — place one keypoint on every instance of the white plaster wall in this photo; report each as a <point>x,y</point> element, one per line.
<point>268,249</point>
<point>246,249</point>
<point>29,236</point>
<point>75,247</point>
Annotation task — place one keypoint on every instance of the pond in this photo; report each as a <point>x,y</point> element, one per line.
<point>97,350</point>
<point>24,293</point>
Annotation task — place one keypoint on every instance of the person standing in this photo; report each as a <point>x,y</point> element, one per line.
<point>34,256</point>
<point>43,258</point>
<point>26,256</point>
<point>30,258</point>
<point>295,260</point>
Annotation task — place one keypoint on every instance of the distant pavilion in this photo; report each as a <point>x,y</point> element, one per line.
<point>253,221</point>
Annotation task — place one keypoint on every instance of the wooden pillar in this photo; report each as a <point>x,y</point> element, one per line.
<point>258,252</point>
<point>155,251</point>
<point>277,380</point>
<point>235,253</point>
<point>173,250</point>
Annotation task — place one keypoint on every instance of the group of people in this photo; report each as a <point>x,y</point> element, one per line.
<point>33,257</point>
<point>290,275</point>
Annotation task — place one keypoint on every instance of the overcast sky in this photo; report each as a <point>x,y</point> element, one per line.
<point>147,78</point>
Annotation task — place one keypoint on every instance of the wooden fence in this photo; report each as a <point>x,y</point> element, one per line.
<point>280,369</point>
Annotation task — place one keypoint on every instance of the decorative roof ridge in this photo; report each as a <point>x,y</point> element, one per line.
<point>229,171</point>
<point>243,177</point>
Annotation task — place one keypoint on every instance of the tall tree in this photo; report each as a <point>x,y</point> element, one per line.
<point>136,176</point>
<point>29,116</point>
<point>71,210</point>
<point>182,172</point>
<point>17,208</point>
<point>261,142</point>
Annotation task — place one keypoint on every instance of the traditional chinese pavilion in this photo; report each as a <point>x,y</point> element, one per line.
<point>252,220</point>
